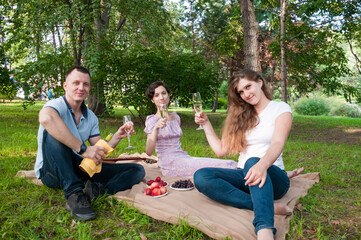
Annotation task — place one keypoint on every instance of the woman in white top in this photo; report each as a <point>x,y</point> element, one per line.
<point>257,128</point>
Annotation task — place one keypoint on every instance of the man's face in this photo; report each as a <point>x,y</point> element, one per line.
<point>77,86</point>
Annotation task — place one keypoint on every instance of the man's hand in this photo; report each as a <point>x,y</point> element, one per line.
<point>122,131</point>
<point>96,153</point>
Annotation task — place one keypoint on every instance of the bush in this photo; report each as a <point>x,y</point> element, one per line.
<point>222,103</point>
<point>312,106</point>
<point>7,87</point>
<point>223,90</point>
<point>346,110</point>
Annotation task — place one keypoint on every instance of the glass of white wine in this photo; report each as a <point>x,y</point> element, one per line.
<point>126,121</point>
<point>163,108</point>
<point>197,103</point>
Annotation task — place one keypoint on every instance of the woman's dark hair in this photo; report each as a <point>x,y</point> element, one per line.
<point>150,91</point>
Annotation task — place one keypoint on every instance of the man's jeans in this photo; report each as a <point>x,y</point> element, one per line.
<point>61,170</point>
<point>227,186</point>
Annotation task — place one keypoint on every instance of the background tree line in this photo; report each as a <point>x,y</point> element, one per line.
<point>193,45</point>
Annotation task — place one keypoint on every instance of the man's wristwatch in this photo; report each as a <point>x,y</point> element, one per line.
<point>82,149</point>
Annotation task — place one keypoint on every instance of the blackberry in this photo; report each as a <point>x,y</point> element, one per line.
<point>187,183</point>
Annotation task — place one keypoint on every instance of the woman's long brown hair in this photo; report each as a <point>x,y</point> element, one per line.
<point>242,116</point>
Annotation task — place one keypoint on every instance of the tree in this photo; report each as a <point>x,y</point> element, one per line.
<point>283,51</point>
<point>251,34</point>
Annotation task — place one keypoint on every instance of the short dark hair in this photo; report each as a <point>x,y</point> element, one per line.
<point>79,69</point>
<point>150,91</point>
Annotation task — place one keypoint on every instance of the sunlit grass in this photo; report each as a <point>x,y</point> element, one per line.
<point>330,210</point>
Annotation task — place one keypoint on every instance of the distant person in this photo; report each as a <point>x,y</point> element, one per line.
<point>256,128</point>
<point>163,136</point>
<point>50,93</point>
<point>12,78</point>
<point>65,125</point>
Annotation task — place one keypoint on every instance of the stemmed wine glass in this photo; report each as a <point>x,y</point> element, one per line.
<point>127,121</point>
<point>163,108</point>
<point>197,103</point>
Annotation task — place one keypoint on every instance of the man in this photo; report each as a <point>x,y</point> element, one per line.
<point>65,125</point>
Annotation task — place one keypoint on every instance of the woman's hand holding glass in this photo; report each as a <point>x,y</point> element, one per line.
<point>197,104</point>
<point>162,121</point>
<point>200,118</point>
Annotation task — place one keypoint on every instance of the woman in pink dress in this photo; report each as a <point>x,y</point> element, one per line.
<point>163,136</point>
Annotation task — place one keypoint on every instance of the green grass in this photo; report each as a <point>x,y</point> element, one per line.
<point>329,145</point>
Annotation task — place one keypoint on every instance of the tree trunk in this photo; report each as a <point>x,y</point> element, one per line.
<point>96,100</point>
<point>215,105</point>
<point>59,37</point>
<point>2,41</point>
<point>251,33</point>
<point>283,52</point>
<point>192,19</point>
<point>53,36</point>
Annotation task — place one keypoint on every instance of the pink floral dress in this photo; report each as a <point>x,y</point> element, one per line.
<point>173,161</point>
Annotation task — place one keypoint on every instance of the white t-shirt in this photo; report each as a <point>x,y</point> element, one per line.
<point>259,138</point>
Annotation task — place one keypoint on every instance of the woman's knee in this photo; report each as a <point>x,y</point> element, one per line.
<point>251,162</point>
<point>201,177</point>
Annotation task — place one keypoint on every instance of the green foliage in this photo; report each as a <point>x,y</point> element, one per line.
<point>312,106</point>
<point>222,103</point>
<point>346,110</point>
<point>28,211</point>
<point>223,90</point>
<point>48,72</point>
<point>133,72</point>
<point>8,88</point>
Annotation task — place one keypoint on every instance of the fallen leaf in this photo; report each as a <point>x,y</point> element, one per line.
<point>141,235</point>
<point>299,207</point>
<point>319,211</point>
<point>311,231</point>
<point>102,231</point>
<point>336,222</point>
<point>72,225</point>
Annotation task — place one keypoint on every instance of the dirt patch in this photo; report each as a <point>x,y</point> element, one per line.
<point>340,135</point>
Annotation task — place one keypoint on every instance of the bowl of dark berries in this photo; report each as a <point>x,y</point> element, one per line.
<point>182,185</point>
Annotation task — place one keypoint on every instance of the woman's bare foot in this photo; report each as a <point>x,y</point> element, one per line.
<point>265,234</point>
<point>295,172</point>
<point>282,209</point>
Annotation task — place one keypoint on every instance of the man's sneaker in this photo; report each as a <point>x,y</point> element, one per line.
<point>92,191</point>
<point>79,207</point>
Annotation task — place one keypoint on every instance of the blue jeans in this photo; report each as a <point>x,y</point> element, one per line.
<point>61,170</point>
<point>227,186</point>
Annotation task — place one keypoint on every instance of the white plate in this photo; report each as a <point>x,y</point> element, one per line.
<point>160,195</point>
<point>181,189</point>
<point>161,186</point>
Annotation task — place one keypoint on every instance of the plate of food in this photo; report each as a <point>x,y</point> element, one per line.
<point>155,190</point>
<point>159,181</point>
<point>182,185</point>
<point>162,195</point>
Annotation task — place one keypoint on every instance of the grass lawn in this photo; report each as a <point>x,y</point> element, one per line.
<point>329,145</point>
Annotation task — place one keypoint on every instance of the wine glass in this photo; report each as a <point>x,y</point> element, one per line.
<point>197,103</point>
<point>163,110</point>
<point>126,120</point>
